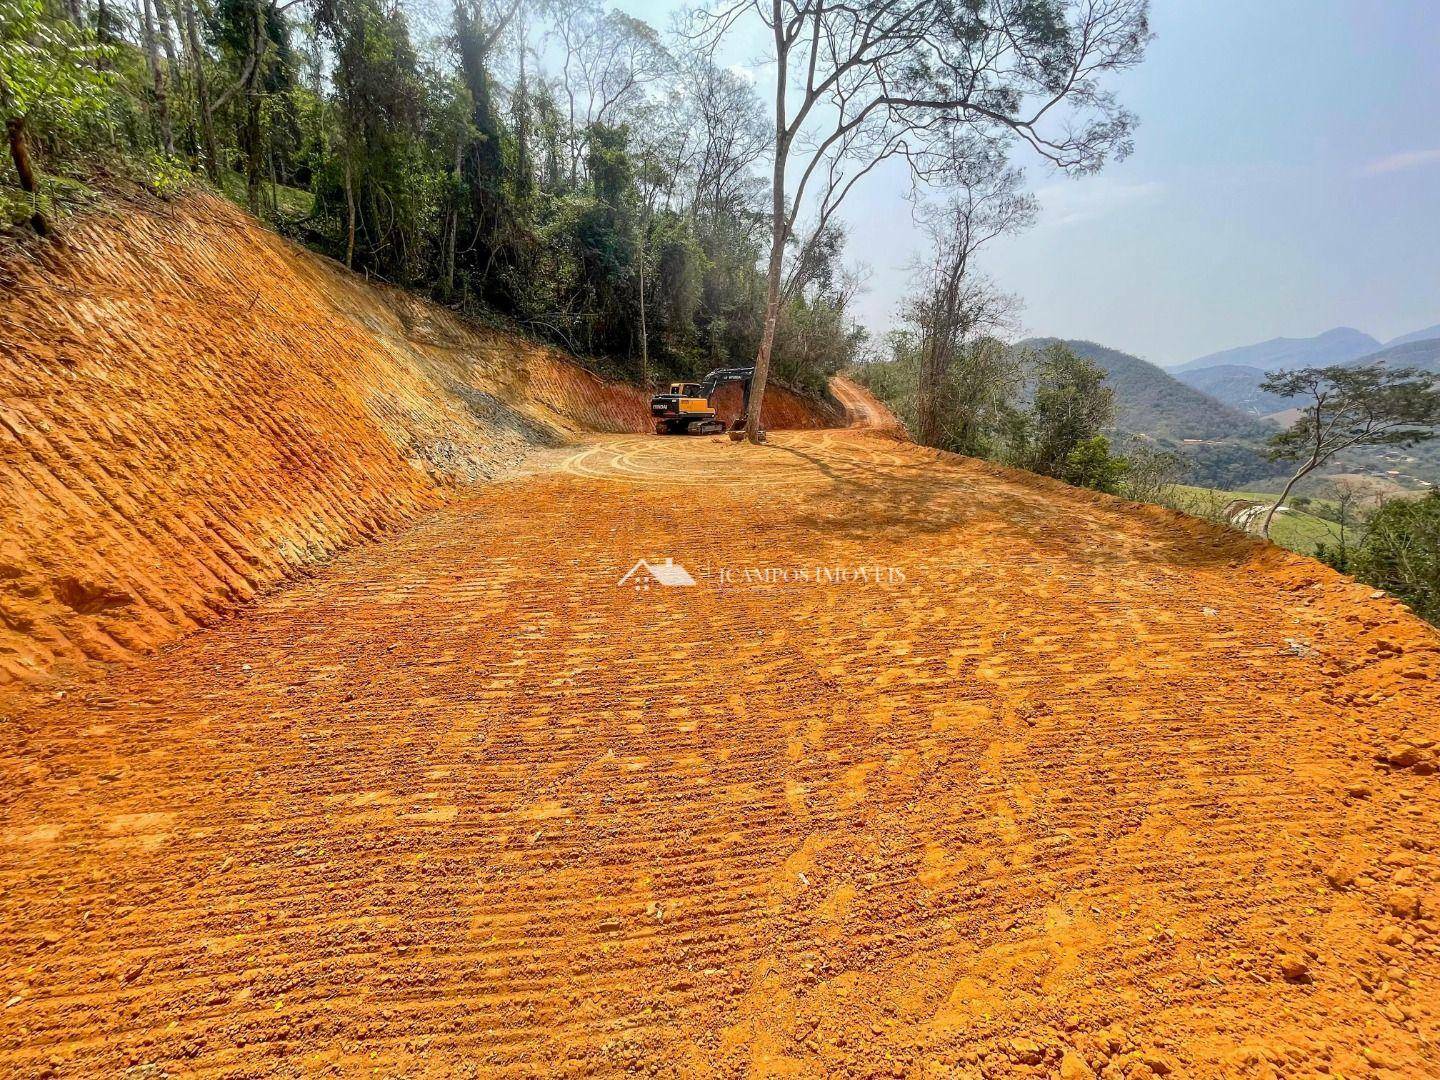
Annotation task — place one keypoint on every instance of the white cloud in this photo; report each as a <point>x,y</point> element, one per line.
<point>743,73</point>
<point>1406,159</point>
<point>1072,202</point>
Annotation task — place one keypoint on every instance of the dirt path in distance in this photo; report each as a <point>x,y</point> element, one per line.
<point>968,775</point>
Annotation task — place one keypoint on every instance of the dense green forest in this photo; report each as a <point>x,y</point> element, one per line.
<point>555,165</point>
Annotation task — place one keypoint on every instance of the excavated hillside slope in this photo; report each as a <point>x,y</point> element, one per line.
<point>192,408</point>
<point>923,767</point>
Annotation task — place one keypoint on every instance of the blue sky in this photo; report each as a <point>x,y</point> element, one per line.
<point>1286,179</point>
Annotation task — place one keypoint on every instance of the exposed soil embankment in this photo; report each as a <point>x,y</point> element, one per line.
<point>192,408</point>
<point>784,409</point>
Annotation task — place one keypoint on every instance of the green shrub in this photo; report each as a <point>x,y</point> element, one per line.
<point>1400,553</point>
<point>1091,464</point>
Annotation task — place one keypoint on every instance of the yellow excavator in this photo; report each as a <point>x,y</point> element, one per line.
<point>689,407</point>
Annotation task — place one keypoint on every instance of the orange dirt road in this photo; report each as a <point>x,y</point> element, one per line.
<point>1058,786</point>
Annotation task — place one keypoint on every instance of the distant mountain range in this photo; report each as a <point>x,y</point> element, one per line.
<point>1422,353</point>
<point>1236,386</point>
<point>1154,402</point>
<point>1430,333</point>
<point>1224,443</point>
<point>1218,417</point>
<point>1233,376</point>
<point>1332,347</point>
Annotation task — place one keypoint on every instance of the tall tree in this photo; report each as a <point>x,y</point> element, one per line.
<point>248,32</point>
<point>1072,407</point>
<point>159,98</point>
<point>480,25</point>
<point>209,150</point>
<point>610,59</point>
<point>51,74</point>
<point>663,144</point>
<point>733,137</point>
<point>379,101</point>
<point>954,303</point>
<point>164,31</point>
<point>858,83</point>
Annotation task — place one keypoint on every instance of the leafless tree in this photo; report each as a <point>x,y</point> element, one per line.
<point>695,143</point>
<point>954,304</point>
<point>1347,406</point>
<point>664,146</point>
<point>860,81</point>
<point>1355,499</point>
<point>733,137</point>
<point>610,60</point>
<point>1151,472</point>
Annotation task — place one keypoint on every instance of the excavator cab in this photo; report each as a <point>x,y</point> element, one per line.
<point>688,408</point>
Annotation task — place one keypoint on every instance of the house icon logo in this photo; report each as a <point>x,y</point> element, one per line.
<point>644,574</point>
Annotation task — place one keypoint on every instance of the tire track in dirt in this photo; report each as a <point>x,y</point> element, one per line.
<point>1076,782</point>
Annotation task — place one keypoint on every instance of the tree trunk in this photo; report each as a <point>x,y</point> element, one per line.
<point>167,41</point>
<point>76,11</point>
<point>524,171</point>
<point>929,381</point>
<point>252,116</point>
<point>102,31</point>
<point>157,76</point>
<point>20,155</point>
<point>772,317</point>
<point>775,268</point>
<point>349,213</point>
<point>252,153</point>
<point>1270,514</point>
<point>452,222</point>
<point>644,334</point>
<point>208,149</point>
<point>447,265</point>
<point>778,228</point>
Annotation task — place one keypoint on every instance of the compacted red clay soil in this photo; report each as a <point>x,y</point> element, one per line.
<point>1021,782</point>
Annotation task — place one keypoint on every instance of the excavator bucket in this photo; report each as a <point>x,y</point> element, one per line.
<point>737,430</point>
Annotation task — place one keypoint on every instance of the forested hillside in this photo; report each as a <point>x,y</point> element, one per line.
<point>1235,385</point>
<point>1225,448</point>
<point>555,166</point>
<point>1239,386</point>
<point>1150,400</point>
